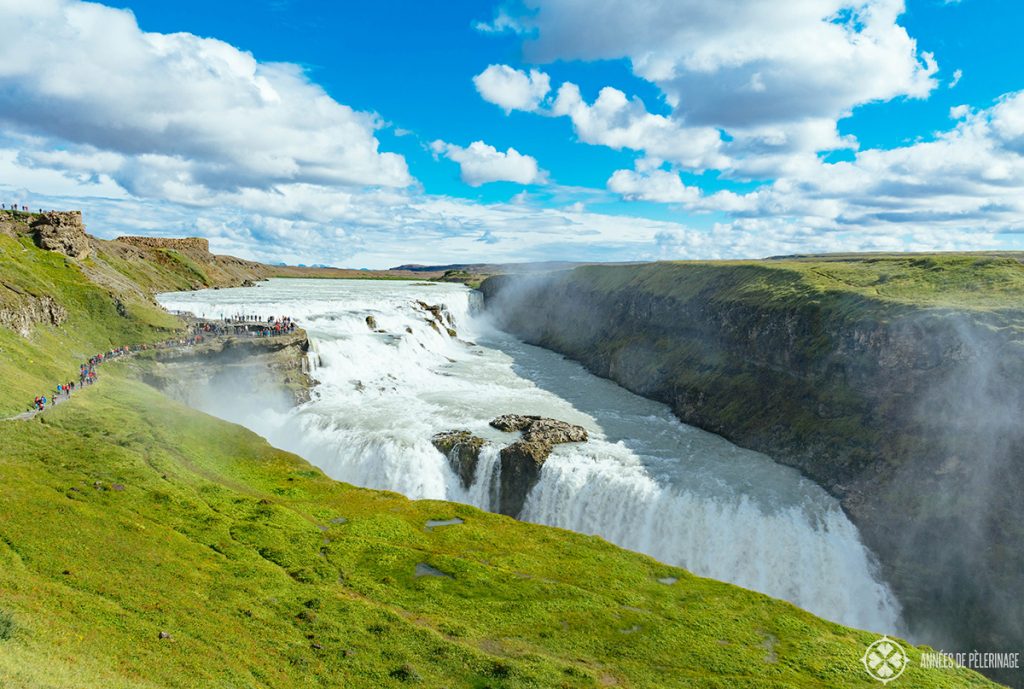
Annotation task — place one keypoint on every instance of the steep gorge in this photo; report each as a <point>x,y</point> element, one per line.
<point>907,412</point>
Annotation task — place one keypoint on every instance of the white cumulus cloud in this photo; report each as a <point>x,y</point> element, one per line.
<point>176,134</point>
<point>512,89</point>
<point>775,77</point>
<point>658,185</point>
<point>618,122</point>
<point>481,163</point>
<point>970,177</point>
<point>178,113</point>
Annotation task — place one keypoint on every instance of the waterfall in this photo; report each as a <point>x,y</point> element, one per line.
<point>311,361</point>
<point>811,558</point>
<point>476,302</point>
<point>645,481</point>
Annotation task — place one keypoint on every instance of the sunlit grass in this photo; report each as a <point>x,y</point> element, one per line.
<point>126,515</point>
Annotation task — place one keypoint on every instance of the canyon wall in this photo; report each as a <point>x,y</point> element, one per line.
<point>908,413</point>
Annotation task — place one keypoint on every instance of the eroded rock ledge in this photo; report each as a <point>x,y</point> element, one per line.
<point>273,369</point>
<point>462,449</point>
<point>521,461</point>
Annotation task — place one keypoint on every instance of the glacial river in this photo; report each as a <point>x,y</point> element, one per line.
<point>645,481</point>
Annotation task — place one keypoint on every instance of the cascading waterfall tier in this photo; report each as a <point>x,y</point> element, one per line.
<point>644,480</point>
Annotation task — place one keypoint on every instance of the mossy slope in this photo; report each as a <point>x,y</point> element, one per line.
<point>107,298</point>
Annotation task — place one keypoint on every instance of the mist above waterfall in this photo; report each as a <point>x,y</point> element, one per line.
<point>645,481</point>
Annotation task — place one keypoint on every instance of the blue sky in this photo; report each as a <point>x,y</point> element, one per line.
<point>413,63</point>
<point>393,132</point>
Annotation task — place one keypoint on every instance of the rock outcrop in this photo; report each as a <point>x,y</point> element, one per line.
<point>272,369</point>
<point>61,231</point>
<point>541,430</point>
<point>521,462</point>
<point>462,449</point>
<point>10,224</point>
<point>21,311</point>
<point>440,318</point>
<point>188,244</point>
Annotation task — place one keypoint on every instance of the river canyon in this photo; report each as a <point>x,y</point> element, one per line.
<point>389,378</point>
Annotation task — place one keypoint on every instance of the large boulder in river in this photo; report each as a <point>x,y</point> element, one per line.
<point>521,462</point>
<point>462,449</point>
<point>541,430</point>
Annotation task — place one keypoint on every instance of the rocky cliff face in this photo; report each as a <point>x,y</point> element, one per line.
<point>61,231</point>
<point>522,461</point>
<point>910,416</point>
<point>462,449</point>
<point>270,369</point>
<point>21,311</point>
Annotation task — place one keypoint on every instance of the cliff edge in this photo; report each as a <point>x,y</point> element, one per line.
<point>893,382</point>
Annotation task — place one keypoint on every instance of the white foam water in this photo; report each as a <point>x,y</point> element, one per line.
<point>645,481</point>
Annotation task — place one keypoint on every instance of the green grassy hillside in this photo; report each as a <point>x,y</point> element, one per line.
<point>143,544</point>
<point>104,300</point>
<point>126,515</point>
<point>51,353</point>
<point>972,281</point>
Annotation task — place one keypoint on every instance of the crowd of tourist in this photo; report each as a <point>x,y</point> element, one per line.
<point>257,326</point>
<point>198,333</point>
